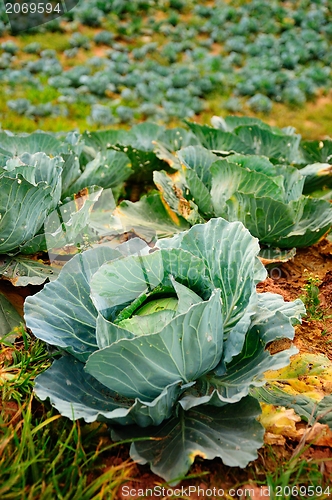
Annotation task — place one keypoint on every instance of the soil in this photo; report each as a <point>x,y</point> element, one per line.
<point>314,335</point>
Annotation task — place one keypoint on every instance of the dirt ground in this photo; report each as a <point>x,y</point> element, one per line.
<point>289,280</point>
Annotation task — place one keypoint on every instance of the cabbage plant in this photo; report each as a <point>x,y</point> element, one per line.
<point>165,343</point>
<point>30,190</point>
<point>265,194</point>
<point>268,200</point>
<point>31,205</point>
<point>41,175</point>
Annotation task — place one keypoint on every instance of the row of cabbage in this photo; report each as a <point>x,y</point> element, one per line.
<point>163,336</point>
<point>239,169</point>
<point>176,63</point>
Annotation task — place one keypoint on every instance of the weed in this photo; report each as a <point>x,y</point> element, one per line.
<point>311,299</point>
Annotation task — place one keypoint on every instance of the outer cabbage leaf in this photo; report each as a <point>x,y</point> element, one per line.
<point>71,318</point>
<point>101,140</point>
<point>36,168</point>
<point>31,143</point>
<point>292,178</point>
<point>108,170</point>
<point>24,204</point>
<point>293,182</point>
<point>230,432</point>
<point>107,332</point>
<point>273,319</point>
<point>218,141</point>
<point>23,271</point>
<point>262,311</point>
<point>269,255</point>
<point>199,160</point>
<point>257,163</point>
<point>70,172</point>
<point>172,188</point>
<point>172,140</point>
<point>230,256</point>
<point>230,123</point>
<point>75,394</point>
<point>138,144</point>
<point>196,162</point>
<point>200,194</point>
<point>306,407</point>
<point>316,151</point>
<point>300,223</point>
<point>64,227</point>
<point>142,136</point>
<point>317,176</point>
<point>229,179</point>
<point>149,217</point>
<point>284,147</point>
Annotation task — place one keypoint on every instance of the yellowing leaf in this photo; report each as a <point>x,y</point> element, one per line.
<point>280,423</point>
<point>307,374</point>
<point>196,453</point>
<point>279,420</point>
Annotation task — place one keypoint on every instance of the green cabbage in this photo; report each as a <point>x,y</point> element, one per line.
<point>241,172</point>
<point>164,344</point>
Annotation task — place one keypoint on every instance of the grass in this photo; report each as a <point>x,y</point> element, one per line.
<point>48,40</point>
<point>20,364</point>
<point>48,457</point>
<point>312,121</point>
<point>42,455</point>
<point>290,479</point>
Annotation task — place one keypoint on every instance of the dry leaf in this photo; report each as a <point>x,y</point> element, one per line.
<point>279,420</point>
<point>318,434</point>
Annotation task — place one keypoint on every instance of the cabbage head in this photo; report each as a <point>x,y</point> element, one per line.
<point>30,190</point>
<point>165,343</point>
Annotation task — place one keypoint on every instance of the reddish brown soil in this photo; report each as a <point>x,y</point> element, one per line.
<point>289,279</point>
<point>293,275</point>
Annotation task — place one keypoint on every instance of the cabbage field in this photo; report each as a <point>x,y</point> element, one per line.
<point>165,251</point>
